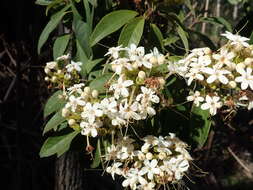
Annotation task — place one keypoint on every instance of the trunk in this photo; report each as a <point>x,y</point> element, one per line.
<point>69,172</point>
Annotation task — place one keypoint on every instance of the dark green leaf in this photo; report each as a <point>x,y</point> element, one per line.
<point>170,40</point>
<point>208,42</point>
<point>54,122</point>
<point>251,38</point>
<point>81,56</point>
<point>100,82</point>
<point>43,2</point>
<point>51,25</point>
<point>97,158</point>
<point>132,32</point>
<point>62,126</point>
<point>54,104</point>
<point>183,35</point>
<point>218,20</point>
<point>110,23</point>
<point>57,145</point>
<point>158,35</point>
<point>200,123</point>
<point>91,64</point>
<point>60,45</point>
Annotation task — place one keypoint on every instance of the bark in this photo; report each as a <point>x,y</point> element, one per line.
<point>69,172</point>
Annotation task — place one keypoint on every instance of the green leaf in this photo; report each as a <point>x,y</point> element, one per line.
<point>251,38</point>
<point>62,126</point>
<point>158,35</point>
<point>111,23</point>
<point>208,42</point>
<point>132,32</point>
<point>43,2</point>
<point>91,64</point>
<point>57,145</point>
<point>53,123</point>
<point>51,25</point>
<point>201,124</point>
<point>60,45</point>
<point>183,35</point>
<point>54,104</point>
<point>82,32</point>
<point>218,20</point>
<point>93,2</point>
<point>81,57</point>
<point>100,82</point>
<point>170,40</point>
<point>97,158</point>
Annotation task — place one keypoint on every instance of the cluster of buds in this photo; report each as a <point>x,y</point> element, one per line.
<point>133,92</point>
<point>223,77</point>
<point>62,71</point>
<point>159,161</point>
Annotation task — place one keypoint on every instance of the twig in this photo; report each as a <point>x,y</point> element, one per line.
<point>9,89</point>
<point>205,15</point>
<point>239,161</point>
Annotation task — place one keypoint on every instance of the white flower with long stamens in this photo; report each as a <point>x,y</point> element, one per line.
<point>150,168</point>
<point>63,57</point>
<point>246,78</point>
<point>129,111</point>
<point>193,75</point>
<point>120,88</point>
<point>74,102</point>
<point>148,95</point>
<point>119,64</point>
<point>90,112</point>
<point>133,177</point>
<point>224,57</point>
<point>109,105</point>
<point>74,66</point>
<point>135,52</point>
<point>75,88</point>
<point>196,98</point>
<point>90,129</point>
<point>114,169</point>
<point>216,74</point>
<point>236,39</point>
<point>212,103</point>
<point>114,51</point>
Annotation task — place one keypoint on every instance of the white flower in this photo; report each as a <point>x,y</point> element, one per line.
<point>216,74</point>
<point>225,58</point>
<point>133,177</point>
<point>74,102</point>
<point>212,103</point>
<point>192,75</point>
<point>114,169</point>
<point>236,39</point>
<point>246,78</point>
<point>120,88</point>
<point>146,109</point>
<point>119,64</point>
<point>114,51</point>
<point>74,66</point>
<point>196,98</point>
<point>90,112</point>
<point>148,95</point>
<point>109,105</point>
<point>63,57</point>
<point>75,88</point>
<point>250,106</point>
<point>51,65</point>
<point>90,128</point>
<point>135,53</point>
<point>129,111</point>
<point>150,168</point>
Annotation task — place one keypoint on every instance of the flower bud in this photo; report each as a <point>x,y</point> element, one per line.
<point>232,84</point>
<point>161,60</point>
<point>161,155</point>
<point>135,65</point>
<point>141,156</point>
<point>142,75</point>
<point>87,90</point>
<point>137,164</point>
<point>47,79</point>
<point>161,81</point>
<point>149,156</point>
<point>153,60</point>
<point>54,79</point>
<point>59,71</point>
<point>240,66</point>
<point>114,67</point>
<point>67,76</point>
<point>207,51</point>
<point>71,122</point>
<point>248,61</point>
<point>47,71</point>
<point>94,93</point>
<point>65,112</point>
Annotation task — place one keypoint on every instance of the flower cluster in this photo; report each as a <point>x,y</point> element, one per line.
<point>63,71</point>
<point>225,77</point>
<point>133,91</point>
<point>159,161</point>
